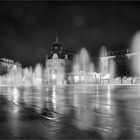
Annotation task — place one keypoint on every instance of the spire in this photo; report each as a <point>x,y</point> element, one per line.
<point>56,37</point>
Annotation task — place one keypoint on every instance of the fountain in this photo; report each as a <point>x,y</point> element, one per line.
<point>107,66</point>
<point>82,61</point>
<point>112,70</point>
<point>103,65</point>
<point>83,68</point>
<point>135,46</point>
<point>37,75</point>
<point>26,77</point>
<point>135,55</point>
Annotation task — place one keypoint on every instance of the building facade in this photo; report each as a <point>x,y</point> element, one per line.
<point>7,65</point>
<point>58,64</point>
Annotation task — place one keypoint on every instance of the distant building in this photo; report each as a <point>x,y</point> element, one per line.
<point>119,62</point>
<point>58,64</point>
<point>6,65</point>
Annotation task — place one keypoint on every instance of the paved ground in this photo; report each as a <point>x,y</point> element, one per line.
<point>71,112</point>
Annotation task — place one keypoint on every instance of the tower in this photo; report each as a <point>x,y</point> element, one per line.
<point>57,48</point>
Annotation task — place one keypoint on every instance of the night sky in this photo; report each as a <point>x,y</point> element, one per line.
<point>27,29</point>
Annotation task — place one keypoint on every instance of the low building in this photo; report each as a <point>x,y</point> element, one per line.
<point>6,65</point>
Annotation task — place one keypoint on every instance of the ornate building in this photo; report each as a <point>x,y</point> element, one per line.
<point>58,64</point>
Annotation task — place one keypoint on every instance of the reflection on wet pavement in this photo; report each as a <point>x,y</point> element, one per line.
<point>101,112</point>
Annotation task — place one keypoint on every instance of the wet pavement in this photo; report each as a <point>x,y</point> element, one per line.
<point>71,112</point>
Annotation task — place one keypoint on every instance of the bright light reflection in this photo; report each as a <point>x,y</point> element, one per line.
<point>54,97</point>
<point>15,95</point>
<point>84,118</point>
<point>108,97</point>
<point>97,97</point>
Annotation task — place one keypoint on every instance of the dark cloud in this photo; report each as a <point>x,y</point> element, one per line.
<point>131,12</point>
<point>17,13</point>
